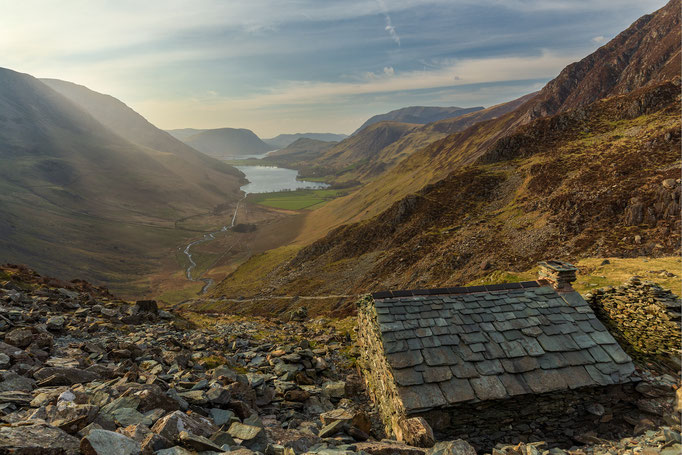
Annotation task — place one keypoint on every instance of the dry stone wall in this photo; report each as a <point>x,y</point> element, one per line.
<point>375,369</point>
<point>644,317</point>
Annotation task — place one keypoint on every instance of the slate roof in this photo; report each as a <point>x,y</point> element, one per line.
<point>447,346</point>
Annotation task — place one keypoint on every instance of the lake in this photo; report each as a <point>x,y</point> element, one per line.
<point>270,179</point>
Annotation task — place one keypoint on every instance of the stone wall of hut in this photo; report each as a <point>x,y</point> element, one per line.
<point>561,419</point>
<point>642,316</point>
<point>375,368</point>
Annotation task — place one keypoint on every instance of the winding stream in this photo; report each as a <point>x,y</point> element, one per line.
<point>262,179</point>
<point>207,238</point>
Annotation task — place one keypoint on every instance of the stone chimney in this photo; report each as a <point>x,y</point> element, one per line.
<point>559,274</point>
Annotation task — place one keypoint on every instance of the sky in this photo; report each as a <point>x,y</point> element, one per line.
<point>286,66</point>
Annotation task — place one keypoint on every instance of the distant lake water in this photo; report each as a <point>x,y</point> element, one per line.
<point>269,179</point>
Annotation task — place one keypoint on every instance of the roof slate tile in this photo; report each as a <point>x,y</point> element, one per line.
<point>520,364</point>
<point>576,376</point>
<point>541,381</point>
<point>437,374</point>
<point>405,359</point>
<point>515,384</point>
<point>489,367</point>
<point>464,370</point>
<point>457,390</point>
<point>408,376</point>
<point>439,356</point>
<point>488,388</point>
<point>616,353</point>
<point>557,343</point>
<point>552,360</point>
<point>425,396</point>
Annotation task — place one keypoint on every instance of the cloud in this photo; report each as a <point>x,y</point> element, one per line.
<point>457,73</point>
<point>598,39</point>
<point>389,24</point>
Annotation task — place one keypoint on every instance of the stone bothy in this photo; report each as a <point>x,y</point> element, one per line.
<point>479,358</point>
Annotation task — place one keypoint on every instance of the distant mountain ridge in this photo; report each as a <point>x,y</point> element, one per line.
<point>228,142</point>
<point>184,133</point>
<point>419,115</point>
<point>284,140</point>
<point>300,152</point>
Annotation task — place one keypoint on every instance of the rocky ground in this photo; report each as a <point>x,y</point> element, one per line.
<point>84,372</point>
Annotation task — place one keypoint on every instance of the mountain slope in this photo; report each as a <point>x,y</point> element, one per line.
<point>184,133</point>
<point>226,142</point>
<point>284,140</point>
<point>421,137</point>
<point>79,200</point>
<point>300,152</point>
<point>646,53</point>
<point>418,115</point>
<point>130,125</point>
<point>596,181</point>
<point>357,149</point>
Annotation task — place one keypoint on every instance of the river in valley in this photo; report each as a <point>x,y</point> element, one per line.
<point>262,179</point>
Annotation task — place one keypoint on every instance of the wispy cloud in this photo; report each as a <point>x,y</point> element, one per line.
<point>459,73</point>
<point>389,24</point>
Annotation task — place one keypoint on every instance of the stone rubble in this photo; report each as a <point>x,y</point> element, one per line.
<point>84,372</point>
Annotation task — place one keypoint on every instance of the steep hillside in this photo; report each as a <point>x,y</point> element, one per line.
<point>358,149</point>
<point>284,140</point>
<point>300,152</point>
<point>420,137</point>
<point>419,115</point>
<point>79,200</point>
<point>228,142</point>
<point>596,181</point>
<point>646,53</point>
<point>130,125</point>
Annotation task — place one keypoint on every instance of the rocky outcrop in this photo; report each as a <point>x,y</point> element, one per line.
<point>647,52</point>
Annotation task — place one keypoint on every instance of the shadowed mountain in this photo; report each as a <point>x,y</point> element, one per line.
<point>184,133</point>
<point>419,115</point>
<point>589,166</point>
<point>80,200</point>
<point>228,142</point>
<point>130,125</point>
<point>284,140</point>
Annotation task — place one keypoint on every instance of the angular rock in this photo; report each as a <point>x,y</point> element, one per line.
<point>37,439</point>
<point>456,447</point>
<point>103,442</point>
<point>171,425</point>
<point>249,436</point>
